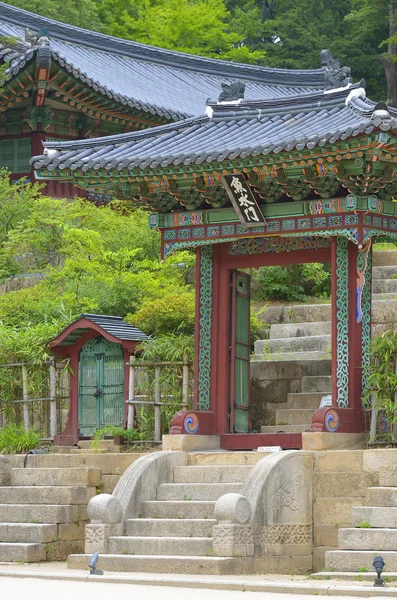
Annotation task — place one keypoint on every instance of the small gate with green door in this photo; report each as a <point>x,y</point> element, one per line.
<point>101,386</point>
<point>239,358</point>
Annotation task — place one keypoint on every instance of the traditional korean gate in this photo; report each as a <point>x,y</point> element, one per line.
<point>239,397</point>
<point>101,385</point>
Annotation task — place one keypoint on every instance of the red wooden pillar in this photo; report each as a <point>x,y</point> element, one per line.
<point>355,343</point>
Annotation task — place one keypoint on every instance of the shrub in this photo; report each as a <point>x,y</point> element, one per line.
<point>170,313</point>
<point>293,282</point>
<point>15,440</point>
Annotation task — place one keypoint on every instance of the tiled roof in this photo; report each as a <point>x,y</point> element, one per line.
<point>229,131</point>
<point>171,84</point>
<point>117,327</point>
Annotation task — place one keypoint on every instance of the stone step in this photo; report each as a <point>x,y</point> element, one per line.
<point>39,513</point>
<point>285,428</point>
<point>383,296</point>
<point>384,257</point>
<point>224,458</point>
<point>107,445</point>
<point>305,400</point>
<point>214,565</point>
<point>355,560</point>
<point>290,356</point>
<point>42,477</point>
<point>160,546</point>
<point>315,343</point>
<point>44,494</point>
<point>388,476</point>
<point>381,496</point>
<point>195,491</point>
<point>319,383</point>
<point>212,474</point>
<point>296,416</point>
<point>182,509</point>
<point>376,540</point>
<point>376,516</point>
<point>382,286</point>
<point>292,330</point>
<point>28,532</point>
<point>21,552</point>
<point>108,462</point>
<point>384,272</point>
<point>186,528</point>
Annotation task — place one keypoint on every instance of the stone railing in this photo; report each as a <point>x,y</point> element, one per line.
<point>270,523</point>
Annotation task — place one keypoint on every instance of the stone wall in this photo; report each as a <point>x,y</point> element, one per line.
<point>340,481</point>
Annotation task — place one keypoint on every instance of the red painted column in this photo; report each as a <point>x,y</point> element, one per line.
<point>197,329</point>
<point>334,328</point>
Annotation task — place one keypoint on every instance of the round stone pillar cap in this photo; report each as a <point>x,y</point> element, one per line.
<point>104,508</point>
<point>232,508</point>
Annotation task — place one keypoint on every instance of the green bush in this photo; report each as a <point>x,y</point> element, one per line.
<point>15,440</point>
<point>170,313</point>
<point>293,282</point>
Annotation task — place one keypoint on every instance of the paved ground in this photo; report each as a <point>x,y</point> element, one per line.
<point>44,579</point>
<point>37,589</point>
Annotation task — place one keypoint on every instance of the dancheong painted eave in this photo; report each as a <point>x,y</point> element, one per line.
<point>170,84</point>
<point>228,131</point>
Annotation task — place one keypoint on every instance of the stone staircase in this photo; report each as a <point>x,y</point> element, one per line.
<point>302,333</point>
<point>174,532</point>
<point>374,531</point>
<point>44,511</point>
<point>43,508</point>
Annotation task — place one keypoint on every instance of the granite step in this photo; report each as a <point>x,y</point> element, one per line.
<point>319,383</point>
<point>21,552</point>
<point>180,509</point>
<point>32,533</point>
<point>212,474</point>
<point>46,494</point>
<point>356,560</point>
<point>290,356</point>
<point>382,286</point>
<point>186,528</point>
<point>285,428</point>
<point>292,330</point>
<point>296,416</point>
<point>376,516</point>
<point>381,496</point>
<point>160,546</point>
<point>40,513</point>
<point>384,272</point>
<point>384,258</point>
<point>224,457</point>
<point>213,565</point>
<point>315,343</point>
<point>195,491</point>
<point>84,476</point>
<point>376,540</point>
<point>304,401</point>
<point>384,296</point>
<point>388,476</point>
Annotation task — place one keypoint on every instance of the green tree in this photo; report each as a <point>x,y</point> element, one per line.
<point>82,14</point>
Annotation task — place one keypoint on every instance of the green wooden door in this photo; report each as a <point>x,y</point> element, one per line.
<point>239,399</point>
<point>101,386</point>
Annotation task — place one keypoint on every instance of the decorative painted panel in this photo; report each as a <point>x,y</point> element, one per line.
<point>204,358</point>
<point>364,268</point>
<point>342,322</point>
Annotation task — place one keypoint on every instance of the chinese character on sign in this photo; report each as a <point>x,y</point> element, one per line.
<point>243,200</point>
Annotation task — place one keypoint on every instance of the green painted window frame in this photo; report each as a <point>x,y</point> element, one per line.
<point>15,154</point>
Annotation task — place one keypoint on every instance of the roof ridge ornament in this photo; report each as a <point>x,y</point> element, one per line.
<point>232,92</point>
<point>40,38</point>
<point>335,76</point>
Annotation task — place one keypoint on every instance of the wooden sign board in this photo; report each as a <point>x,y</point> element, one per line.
<point>243,200</point>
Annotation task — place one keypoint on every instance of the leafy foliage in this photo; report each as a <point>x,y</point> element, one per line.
<point>15,440</point>
<point>294,282</point>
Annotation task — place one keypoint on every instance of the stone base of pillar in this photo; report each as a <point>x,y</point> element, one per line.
<point>190,443</point>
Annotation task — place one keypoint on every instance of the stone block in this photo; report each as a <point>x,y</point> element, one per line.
<point>382,258</point>
<point>160,564</point>
<point>212,474</point>
<point>53,477</point>
<point>32,533</point>
<point>333,441</point>
<point>385,496</point>
<point>178,510</point>
<point>195,491</point>
<point>189,443</point>
<point>17,513</point>
<point>298,330</point>
<point>376,540</point>
<point>284,565</point>
<point>373,460</point>
<point>170,527</point>
<point>46,495</point>
<point>326,535</point>
<point>376,516</point>
<point>319,383</point>
<point>71,531</point>
<point>319,557</point>
<point>173,546</point>
<point>60,550</point>
<point>233,540</point>
<point>388,476</point>
<point>354,560</point>
<point>109,482</point>
<point>223,458</point>
<point>294,416</point>
<point>344,484</point>
<point>97,537</point>
<point>334,511</point>
<point>21,552</point>
<point>338,461</point>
